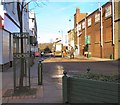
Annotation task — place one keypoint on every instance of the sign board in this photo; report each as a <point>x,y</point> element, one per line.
<point>87,39</point>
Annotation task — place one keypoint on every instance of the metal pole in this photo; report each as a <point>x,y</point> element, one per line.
<point>113,17</point>
<point>14,73</point>
<point>65,87</point>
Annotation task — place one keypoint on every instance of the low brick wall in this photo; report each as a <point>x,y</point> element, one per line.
<point>78,90</point>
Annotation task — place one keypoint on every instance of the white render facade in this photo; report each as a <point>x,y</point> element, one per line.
<point>10,24</point>
<point>33,30</point>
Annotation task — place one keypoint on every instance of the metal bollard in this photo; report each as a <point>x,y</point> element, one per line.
<point>40,73</point>
<point>65,87</point>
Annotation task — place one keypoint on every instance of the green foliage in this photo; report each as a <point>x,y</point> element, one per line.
<point>47,50</point>
<point>42,46</point>
<point>101,77</point>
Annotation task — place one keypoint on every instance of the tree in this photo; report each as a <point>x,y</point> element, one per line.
<point>21,5</point>
<point>47,50</point>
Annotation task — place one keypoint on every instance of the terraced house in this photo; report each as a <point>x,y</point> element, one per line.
<point>98,33</point>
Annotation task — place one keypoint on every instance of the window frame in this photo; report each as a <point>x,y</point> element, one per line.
<point>89,22</point>
<point>97,17</point>
<point>108,11</point>
<point>83,25</point>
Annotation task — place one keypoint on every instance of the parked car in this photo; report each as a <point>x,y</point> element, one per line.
<point>37,54</point>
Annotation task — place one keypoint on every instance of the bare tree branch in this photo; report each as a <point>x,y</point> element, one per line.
<point>26,4</point>
<point>43,3</point>
<point>37,4</point>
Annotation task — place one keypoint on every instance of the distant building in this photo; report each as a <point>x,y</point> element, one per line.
<point>71,39</point>
<point>99,30</point>
<point>33,31</point>
<point>78,16</point>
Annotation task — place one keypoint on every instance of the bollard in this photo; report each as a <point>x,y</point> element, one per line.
<point>65,87</point>
<point>40,73</point>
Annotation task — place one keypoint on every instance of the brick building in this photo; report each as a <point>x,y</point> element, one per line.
<point>97,30</point>
<point>117,30</point>
<point>78,16</point>
<point>71,38</point>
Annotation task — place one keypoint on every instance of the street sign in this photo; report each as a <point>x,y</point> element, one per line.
<point>21,55</point>
<point>87,39</point>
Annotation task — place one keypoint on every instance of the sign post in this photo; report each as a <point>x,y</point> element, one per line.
<point>87,42</point>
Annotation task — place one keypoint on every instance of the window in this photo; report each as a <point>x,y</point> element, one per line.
<point>75,29</point>
<point>108,11</point>
<point>97,17</point>
<point>83,25</point>
<point>79,27</point>
<point>32,19</point>
<point>13,9</point>
<point>89,22</point>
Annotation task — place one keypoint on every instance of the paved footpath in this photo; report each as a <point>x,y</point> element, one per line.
<point>49,92</point>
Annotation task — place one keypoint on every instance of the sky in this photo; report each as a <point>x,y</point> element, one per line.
<point>55,18</point>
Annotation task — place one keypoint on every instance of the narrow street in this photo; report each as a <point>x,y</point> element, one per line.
<point>47,41</point>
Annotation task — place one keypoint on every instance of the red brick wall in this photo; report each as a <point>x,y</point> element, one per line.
<point>107,35</point>
<point>82,42</point>
<point>94,32</point>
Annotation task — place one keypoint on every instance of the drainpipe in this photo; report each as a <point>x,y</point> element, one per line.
<point>101,31</point>
<point>101,28</point>
<point>78,40</point>
<point>113,18</point>
<point>85,27</point>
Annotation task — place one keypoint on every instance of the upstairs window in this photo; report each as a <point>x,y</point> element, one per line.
<point>108,11</point>
<point>79,27</point>
<point>83,25</point>
<point>97,17</point>
<point>75,29</point>
<point>89,22</point>
<point>14,8</point>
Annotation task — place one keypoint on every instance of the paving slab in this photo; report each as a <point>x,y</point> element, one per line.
<point>48,92</point>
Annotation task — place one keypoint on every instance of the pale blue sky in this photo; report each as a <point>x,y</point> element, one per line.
<point>53,17</point>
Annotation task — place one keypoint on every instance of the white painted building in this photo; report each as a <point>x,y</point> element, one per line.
<point>33,30</point>
<point>10,24</point>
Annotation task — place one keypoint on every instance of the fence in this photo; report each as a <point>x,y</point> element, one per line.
<point>78,90</point>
